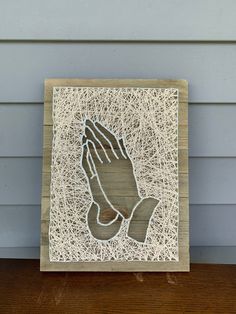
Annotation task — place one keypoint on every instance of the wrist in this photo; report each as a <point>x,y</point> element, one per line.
<point>140,218</point>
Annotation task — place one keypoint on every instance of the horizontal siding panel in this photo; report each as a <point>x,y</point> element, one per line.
<point>212,254</point>
<point>114,20</point>
<point>209,68</point>
<point>211,130</point>
<point>19,226</point>
<point>209,225</point>
<point>212,181</point>
<point>20,252</point>
<point>20,181</point>
<point>21,129</point>
<point>212,225</point>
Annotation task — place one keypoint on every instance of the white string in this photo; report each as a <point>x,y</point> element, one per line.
<point>147,120</point>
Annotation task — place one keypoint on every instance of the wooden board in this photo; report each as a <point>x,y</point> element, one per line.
<point>183,263</point>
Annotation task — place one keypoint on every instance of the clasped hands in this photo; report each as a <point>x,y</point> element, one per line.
<point>112,185</point>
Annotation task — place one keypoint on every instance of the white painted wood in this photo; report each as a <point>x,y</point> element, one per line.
<point>212,180</point>
<point>212,130</point>
<point>20,181</point>
<point>21,130</point>
<point>114,20</point>
<point>19,226</point>
<point>209,68</point>
<point>19,252</point>
<point>213,254</point>
<point>212,225</point>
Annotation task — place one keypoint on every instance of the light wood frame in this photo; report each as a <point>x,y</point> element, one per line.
<point>183,236</point>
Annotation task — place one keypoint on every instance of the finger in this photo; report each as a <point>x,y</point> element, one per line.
<point>123,148</point>
<point>85,164</point>
<point>100,149</point>
<point>93,152</point>
<point>94,158</point>
<point>111,138</point>
<point>106,213</point>
<point>91,165</point>
<point>103,139</point>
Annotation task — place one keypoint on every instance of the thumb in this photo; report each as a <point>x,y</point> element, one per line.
<point>99,231</point>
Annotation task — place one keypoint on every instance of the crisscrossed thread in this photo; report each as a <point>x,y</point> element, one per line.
<point>147,120</point>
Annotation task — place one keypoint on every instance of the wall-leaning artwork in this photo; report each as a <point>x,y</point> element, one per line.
<point>115,176</point>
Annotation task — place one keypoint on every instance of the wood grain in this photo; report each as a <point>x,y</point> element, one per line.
<point>206,289</point>
<point>183,264</point>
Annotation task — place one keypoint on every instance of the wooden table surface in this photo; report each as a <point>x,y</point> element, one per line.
<point>206,289</point>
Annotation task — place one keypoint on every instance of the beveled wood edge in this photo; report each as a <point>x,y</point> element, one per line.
<point>183,211</point>
<point>184,259</point>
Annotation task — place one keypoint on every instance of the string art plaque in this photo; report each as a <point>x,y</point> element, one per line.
<point>115,176</point>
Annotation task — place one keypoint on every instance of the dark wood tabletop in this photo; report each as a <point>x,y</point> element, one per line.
<point>206,289</point>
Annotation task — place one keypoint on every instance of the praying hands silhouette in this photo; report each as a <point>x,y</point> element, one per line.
<point>112,184</point>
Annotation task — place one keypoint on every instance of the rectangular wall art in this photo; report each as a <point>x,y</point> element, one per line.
<point>115,176</point>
